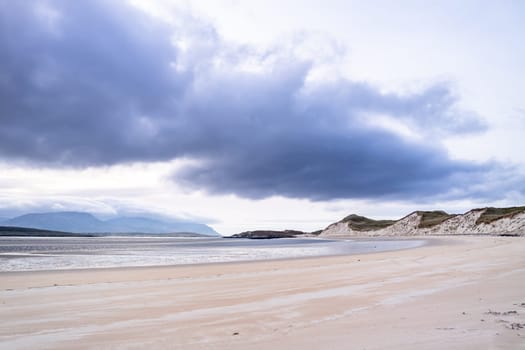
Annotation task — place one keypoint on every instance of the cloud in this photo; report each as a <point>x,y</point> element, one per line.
<point>92,83</point>
<point>11,206</point>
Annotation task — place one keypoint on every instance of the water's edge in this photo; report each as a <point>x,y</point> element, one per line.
<point>66,253</point>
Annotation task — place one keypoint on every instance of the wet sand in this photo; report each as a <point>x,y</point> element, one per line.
<point>457,293</point>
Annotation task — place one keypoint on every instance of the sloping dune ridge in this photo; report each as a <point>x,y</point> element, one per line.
<point>499,221</point>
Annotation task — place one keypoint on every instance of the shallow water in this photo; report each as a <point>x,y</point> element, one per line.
<point>43,253</point>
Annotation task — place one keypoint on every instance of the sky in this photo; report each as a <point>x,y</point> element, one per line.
<point>261,114</point>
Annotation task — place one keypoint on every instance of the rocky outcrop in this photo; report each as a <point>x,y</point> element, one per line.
<point>268,234</point>
<point>497,221</point>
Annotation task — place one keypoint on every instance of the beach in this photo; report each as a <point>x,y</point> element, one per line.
<point>465,292</point>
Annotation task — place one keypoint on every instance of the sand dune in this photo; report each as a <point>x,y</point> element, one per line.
<point>455,293</point>
<point>483,221</point>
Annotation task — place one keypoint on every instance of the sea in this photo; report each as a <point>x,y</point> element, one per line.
<point>63,253</point>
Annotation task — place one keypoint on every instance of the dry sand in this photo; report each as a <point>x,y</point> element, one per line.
<point>457,293</point>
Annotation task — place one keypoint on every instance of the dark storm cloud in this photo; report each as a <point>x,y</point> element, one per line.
<point>88,83</point>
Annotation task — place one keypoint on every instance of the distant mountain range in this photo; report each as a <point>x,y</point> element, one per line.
<point>80,222</point>
<point>493,221</point>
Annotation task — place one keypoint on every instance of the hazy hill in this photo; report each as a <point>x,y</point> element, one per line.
<point>508,221</point>
<point>60,221</point>
<point>148,225</point>
<point>79,222</point>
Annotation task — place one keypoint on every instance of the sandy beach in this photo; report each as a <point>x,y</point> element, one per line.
<point>454,293</point>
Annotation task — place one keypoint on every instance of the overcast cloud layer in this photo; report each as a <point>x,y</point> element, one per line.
<point>87,83</point>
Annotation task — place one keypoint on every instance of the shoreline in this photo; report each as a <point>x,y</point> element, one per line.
<point>124,271</point>
<point>457,293</point>
<point>356,239</point>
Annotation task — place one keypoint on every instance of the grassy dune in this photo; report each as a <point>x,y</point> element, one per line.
<point>361,223</point>
<point>493,214</point>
